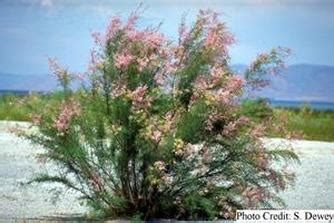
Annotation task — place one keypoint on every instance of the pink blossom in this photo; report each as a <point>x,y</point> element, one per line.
<point>159,78</point>
<point>232,126</point>
<point>114,26</point>
<point>178,52</point>
<point>95,61</point>
<point>154,39</point>
<point>150,38</point>
<point>142,63</point>
<point>235,83</point>
<point>123,59</point>
<point>169,67</point>
<point>118,88</point>
<point>168,121</point>
<point>211,38</point>
<point>224,96</point>
<point>216,76</point>
<point>131,22</point>
<point>183,32</point>
<point>156,135</point>
<point>209,16</point>
<point>266,63</point>
<point>216,36</point>
<point>201,84</point>
<point>136,35</point>
<point>61,73</point>
<point>213,117</point>
<point>68,110</point>
<point>139,100</point>
<point>254,194</point>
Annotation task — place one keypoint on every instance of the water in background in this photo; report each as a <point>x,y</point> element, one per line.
<point>14,92</point>
<point>297,104</point>
<point>274,103</point>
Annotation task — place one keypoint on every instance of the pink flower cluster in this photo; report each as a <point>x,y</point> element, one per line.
<point>151,39</point>
<point>266,63</point>
<point>225,95</point>
<point>156,135</point>
<point>61,73</point>
<point>216,35</point>
<point>95,61</point>
<point>142,63</point>
<point>213,117</point>
<point>132,20</point>
<point>154,39</point>
<point>114,26</point>
<point>183,32</point>
<point>129,38</point>
<point>253,195</point>
<point>218,86</point>
<point>118,88</point>
<point>235,83</point>
<point>123,59</point>
<point>216,75</point>
<point>69,109</point>
<point>139,99</point>
<point>201,84</point>
<point>232,126</point>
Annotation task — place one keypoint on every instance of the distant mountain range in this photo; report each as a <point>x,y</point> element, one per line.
<point>299,82</point>
<point>25,82</point>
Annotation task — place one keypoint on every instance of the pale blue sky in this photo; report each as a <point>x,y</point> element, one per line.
<point>32,30</point>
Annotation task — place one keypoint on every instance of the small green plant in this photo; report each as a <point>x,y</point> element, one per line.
<point>258,109</point>
<point>160,131</point>
<point>307,123</point>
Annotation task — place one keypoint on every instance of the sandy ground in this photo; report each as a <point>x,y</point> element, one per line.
<point>314,188</point>
<point>18,164</point>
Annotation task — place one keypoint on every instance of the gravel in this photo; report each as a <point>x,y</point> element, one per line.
<point>18,164</point>
<point>314,187</point>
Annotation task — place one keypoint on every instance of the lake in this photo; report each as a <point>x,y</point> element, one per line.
<point>14,92</point>
<point>274,103</point>
<point>297,104</point>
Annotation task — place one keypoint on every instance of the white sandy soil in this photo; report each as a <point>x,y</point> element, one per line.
<point>314,188</point>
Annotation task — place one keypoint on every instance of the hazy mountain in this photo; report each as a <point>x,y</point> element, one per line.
<point>27,82</point>
<point>300,82</point>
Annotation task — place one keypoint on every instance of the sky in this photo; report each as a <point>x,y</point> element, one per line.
<point>33,30</point>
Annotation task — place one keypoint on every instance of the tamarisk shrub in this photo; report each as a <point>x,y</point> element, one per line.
<point>160,132</point>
